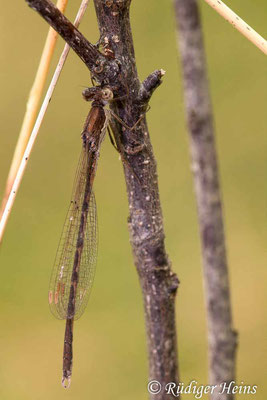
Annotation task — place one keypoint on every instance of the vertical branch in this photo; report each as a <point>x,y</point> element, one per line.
<point>159,284</point>
<point>221,337</point>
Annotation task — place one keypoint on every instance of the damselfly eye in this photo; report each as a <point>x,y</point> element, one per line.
<point>107,94</point>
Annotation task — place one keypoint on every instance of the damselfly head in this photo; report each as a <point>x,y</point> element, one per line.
<point>98,94</point>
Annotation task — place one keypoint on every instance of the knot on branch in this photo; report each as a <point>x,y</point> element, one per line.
<point>225,342</point>
<point>174,284</point>
<point>116,5</point>
<point>149,85</point>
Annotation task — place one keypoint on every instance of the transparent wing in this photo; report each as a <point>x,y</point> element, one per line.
<point>88,260</point>
<point>60,282</point>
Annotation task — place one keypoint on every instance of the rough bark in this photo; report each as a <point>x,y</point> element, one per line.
<point>116,67</point>
<point>222,339</point>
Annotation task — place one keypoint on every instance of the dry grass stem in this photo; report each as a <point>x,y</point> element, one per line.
<point>23,160</point>
<point>239,24</point>
<point>32,105</point>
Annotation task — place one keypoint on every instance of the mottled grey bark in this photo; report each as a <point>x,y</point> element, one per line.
<point>222,339</point>
<point>115,66</point>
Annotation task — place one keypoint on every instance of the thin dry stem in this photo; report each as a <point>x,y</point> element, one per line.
<point>27,151</point>
<point>32,105</point>
<point>239,24</point>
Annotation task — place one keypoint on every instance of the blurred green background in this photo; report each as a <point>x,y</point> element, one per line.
<point>109,344</point>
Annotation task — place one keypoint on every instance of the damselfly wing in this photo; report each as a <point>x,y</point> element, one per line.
<point>60,283</point>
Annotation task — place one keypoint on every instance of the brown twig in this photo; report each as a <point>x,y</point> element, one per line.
<point>85,50</point>
<point>221,337</point>
<point>117,68</point>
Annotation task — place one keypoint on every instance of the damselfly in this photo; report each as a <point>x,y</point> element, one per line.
<point>75,263</point>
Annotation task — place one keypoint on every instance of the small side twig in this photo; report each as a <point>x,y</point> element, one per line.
<point>222,338</point>
<point>149,85</point>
